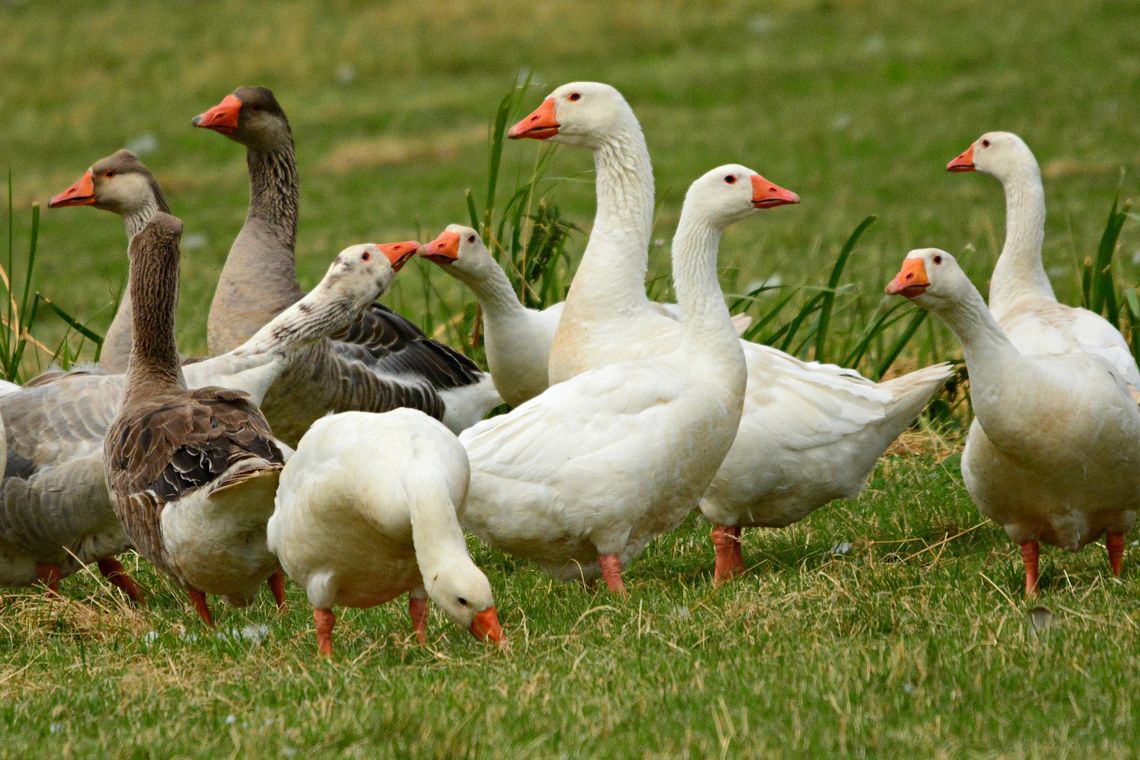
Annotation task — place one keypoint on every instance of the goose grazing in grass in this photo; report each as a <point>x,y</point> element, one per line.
<point>517,339</point>
<point>1053,453</point>
<point>809,432</point>
<point>1021,297</point>
<point>55,510</point>
<point>368,509</point>
<point>580,478</point>
<point>122,184</point>
<point>381,362</point>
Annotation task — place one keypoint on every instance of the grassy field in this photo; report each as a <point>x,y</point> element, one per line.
<point>889,625</point>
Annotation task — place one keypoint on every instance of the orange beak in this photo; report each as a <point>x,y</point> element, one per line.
<point>911,280</point>
<point>767,194</point>
<point>398,253</point>
<point>221,118</point>
<point>444,249</point>
<point>486,626</point>
<point>964,162</point>
<point>82,193</point>
<point>541,124</point>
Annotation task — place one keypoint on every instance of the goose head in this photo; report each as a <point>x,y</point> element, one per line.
<point>932,279</point>
<point>364,271</point>
<point>250,116</point>
<point>579,113</point>
<point>463,592</point>
<point>459,249</point>
<point>733,192</point>
<point>999,154</point>
<point>119,183</point>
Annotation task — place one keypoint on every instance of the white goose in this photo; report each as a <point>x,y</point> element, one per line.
<point>1021,298</point>
<point>581,477</point>
<point>809,432</point>
<point>517,339</point>
<point>368,509</point>
<point>1053,453</point>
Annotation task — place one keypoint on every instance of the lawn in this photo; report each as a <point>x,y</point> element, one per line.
<point>888,625</point>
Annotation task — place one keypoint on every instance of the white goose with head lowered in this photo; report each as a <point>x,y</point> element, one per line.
<point>809,432</point>
<point>1021,297</point>
<point>1053,453</point>
<point>580,478</point>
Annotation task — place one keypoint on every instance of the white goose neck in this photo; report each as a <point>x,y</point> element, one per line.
<point>611,276</point>
<point>1020,271</point>
<point>707,325</point>
<point>492,289</point>
<point>989,355</point>
<point>436,534</point>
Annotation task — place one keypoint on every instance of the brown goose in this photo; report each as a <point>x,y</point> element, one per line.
<point>122,184</point>
<point>55,511</point>
<point>381,362</point>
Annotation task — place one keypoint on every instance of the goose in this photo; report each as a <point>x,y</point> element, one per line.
<point>55,510</point>
<point>1021,296</point>
<point>381,362</point>
<point>1053,453</point>
<point>191,473</point>
<point>367,509</point>
<point>517,339</point>
<point>581,477</point>
<point>122,184</point>
<point>809,433</point>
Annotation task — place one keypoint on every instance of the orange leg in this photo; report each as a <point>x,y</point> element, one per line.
<point>729,557</point>
<point>276,584</point>
<point>1115,543</point>
<point>113,571</point>
<point>200,606</point>
<point>418,609</point>
<point>1029,553</point>
<point>325,621</point>
<point>611,572</point>
<point>48,574</point>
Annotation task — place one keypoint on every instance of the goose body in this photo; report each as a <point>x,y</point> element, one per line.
<point>580,478</point>
<point>367,510</point>
<point>1053,453</point>
<point>1021,297</point>
<point>809,432</point>
<point>381,362</point>
<point>55,510</point>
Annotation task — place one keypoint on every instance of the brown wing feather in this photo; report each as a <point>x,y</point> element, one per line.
<point>175,444</point>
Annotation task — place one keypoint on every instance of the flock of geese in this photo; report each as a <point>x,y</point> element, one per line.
<point>626,414</point>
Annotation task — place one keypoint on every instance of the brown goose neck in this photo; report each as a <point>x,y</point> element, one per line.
<point>274,190</point>
<point>154,359</point>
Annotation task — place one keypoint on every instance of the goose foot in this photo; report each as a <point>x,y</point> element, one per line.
<point>611,572</point>
<point>418,609</point>
<point>49,575</point>
<point>200,606</point>
<point>1029,554</point>
<point>729,555</point>
<point>276,583</point>
<point>325,620</point>
<point>114,572</point>
<point>1115,543</point>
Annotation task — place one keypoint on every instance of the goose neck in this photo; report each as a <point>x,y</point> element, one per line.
<point>493,290</point>
<point>436,533</point>
<point>154,361</point>
<point>1020,271</point>
<point>612,272</point>
<point>274,192</point>
<point>707,322</point>
<point>988,352</point>
<point>319,314</point>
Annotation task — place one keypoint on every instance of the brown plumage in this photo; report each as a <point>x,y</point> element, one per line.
<point>180,462</point>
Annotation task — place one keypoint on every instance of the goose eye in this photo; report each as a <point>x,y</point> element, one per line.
<point>470,238</point>
<point>937,259</point>
<point>366,256</point>
<point>109,173</point>
<point>575,96</point>
<point>462,602</point>
<point>730,179</point>
<point>985,143</point>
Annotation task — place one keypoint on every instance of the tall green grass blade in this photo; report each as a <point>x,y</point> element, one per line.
<point>897,347</point>
<point>824,322</point>
<point>1102,299</point>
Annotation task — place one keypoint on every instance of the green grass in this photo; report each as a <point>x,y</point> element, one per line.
<point>916,642</point>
